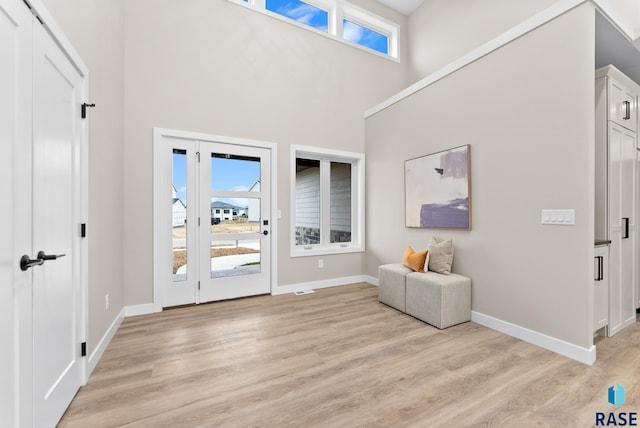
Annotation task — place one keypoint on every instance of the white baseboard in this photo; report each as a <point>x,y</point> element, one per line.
<point>370,280</point>
<point>583,355</point>
<point>135,310</point>
<point>95,356</point>
<point>326,283</point>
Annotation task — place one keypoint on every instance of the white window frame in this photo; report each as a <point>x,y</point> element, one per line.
<point>375,23</point>
<point>338,10</point>
<point>357,161</point>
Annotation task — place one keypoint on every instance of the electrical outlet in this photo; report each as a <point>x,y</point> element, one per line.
<point>320,264</point>
<point>106,302</point>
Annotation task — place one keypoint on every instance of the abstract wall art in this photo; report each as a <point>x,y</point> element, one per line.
<point>438,190</point>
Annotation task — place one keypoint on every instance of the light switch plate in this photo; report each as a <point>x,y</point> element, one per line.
<point>559,217</point>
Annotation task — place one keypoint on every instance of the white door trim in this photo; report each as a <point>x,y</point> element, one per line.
<point>158,189</point>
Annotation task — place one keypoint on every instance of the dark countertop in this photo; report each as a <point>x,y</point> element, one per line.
<point>601,242</point>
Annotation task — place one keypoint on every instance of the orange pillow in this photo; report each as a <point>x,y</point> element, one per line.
<point>414,260</point>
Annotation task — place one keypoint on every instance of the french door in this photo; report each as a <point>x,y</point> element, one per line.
<point>234,246</point>
<point>218,220</point>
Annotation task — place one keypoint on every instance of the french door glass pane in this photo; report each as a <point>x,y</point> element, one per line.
<point>340,202</point>
<point>234,173</point>
<point>234,257</point>
<point>232,254</point>
<point>179,212</point>
<point>235,220</point>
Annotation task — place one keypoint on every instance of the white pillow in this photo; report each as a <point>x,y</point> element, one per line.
<point>440,255</point>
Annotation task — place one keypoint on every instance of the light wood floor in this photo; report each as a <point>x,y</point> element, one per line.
<point>339,358</point>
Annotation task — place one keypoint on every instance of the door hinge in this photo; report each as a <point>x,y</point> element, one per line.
<point>83,349</point>
<point>198,221</point>
<point>83,230</point>
<point>84,109</point>
<point>198,285</point>
<point>198,156</point>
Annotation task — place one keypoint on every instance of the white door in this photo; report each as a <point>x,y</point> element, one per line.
<point>57,135</point>
<point>235,254</point>
<point>622,227</point>
<point>223,249</point>
<point>15,181</point>
<point>40,136</point>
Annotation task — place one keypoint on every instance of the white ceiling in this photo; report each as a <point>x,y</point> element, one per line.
<point>403,6</point>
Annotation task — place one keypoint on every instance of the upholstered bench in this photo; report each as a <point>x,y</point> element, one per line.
<point>439,300</point>
<point>392,285</point>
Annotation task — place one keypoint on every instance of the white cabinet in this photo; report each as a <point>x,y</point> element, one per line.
<point>622,105</point>
<point>622,227</point>
<point>601,288</point>
<point>616,188</point>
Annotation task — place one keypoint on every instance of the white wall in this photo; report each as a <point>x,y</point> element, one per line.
<point>441,31</point>
<point>527,110</point>
<point>253,205</point>
<point>215,67</point>
<point>308,198</point>
<point>340,205</point>
<point>95,28</point>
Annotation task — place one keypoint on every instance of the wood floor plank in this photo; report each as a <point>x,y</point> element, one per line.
<point>339,358</point>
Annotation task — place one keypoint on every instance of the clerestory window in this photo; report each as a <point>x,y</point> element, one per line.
<point>337,19</point>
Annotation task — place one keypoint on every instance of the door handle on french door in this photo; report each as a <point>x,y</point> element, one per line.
<point>44,257</point>
<point>26,262</point>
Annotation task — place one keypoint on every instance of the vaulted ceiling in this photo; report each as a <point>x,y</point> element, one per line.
<point>403,6</point>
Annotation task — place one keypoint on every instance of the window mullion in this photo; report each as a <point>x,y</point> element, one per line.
<point>338,17</point>
<point>355,233</point>
<point>325,202</point>
<point>259,4</point>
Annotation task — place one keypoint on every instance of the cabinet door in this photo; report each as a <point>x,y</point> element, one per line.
<point>622,105</point>
<point>622,227</point>
<point>601,288</point>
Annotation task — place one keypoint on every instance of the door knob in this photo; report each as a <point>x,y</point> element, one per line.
<point>26,262</point>
<point>266,232</point>
<point>44,257</point>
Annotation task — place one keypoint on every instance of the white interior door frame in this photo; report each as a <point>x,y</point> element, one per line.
<point>162,240</point>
